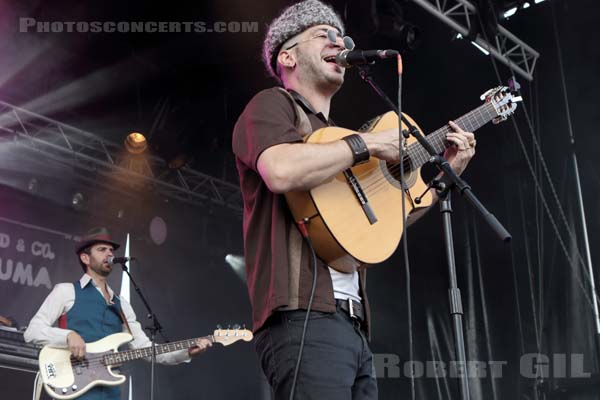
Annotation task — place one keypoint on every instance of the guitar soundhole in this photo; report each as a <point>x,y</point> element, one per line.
<point>395,172</point>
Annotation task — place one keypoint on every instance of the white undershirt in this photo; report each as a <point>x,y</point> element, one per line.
<point>345,286</point>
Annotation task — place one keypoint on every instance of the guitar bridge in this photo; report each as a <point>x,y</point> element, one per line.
<point>360,196</point>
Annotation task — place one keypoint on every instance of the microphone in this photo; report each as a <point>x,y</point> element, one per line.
<point>348,58</point>
<point>118,260</point>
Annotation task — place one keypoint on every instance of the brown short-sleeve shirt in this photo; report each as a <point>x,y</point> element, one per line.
<point>274,280</point>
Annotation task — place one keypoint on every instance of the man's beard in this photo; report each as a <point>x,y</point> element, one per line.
<point>97,268</point>
<point>314,72</point>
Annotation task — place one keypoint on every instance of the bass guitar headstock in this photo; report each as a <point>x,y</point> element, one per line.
<point>230,336</point>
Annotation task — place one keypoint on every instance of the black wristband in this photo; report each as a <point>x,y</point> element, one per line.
<point>360,152</point>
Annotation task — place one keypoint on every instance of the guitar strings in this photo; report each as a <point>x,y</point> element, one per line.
<point>101,359</point>
<point>373,183</point>
<point>94,361</point>
<point>416,153</point>
<point>421,156</point>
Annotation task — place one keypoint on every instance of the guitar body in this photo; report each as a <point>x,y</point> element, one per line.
<point>65,377</point>
<point>63,380</point>
<point>356,217</point>
<point>341,232</point>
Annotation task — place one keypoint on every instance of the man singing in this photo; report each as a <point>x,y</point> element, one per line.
<point>299,52</point>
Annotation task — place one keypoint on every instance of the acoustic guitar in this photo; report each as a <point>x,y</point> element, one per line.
<point>65,377</point>
<point>356,217</point>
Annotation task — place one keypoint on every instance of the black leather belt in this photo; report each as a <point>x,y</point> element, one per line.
<point>353,308</point>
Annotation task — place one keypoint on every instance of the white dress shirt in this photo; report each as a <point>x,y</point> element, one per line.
<point>41,329</point>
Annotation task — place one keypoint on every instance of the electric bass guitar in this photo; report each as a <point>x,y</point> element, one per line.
<point>356,217</point>
<point>65,377</point>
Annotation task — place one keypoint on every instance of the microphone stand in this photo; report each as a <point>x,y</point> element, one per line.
<point>364,72</point>
<point>153,329</point>
<point>443,191</point>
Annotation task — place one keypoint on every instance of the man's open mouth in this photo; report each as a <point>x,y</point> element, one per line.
<point>329,59</point>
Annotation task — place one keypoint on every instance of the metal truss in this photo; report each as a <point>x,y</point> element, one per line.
<point>86,152</point>
<point>460,15</point>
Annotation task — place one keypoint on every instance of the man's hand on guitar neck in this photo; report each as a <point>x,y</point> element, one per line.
<point>384,145</point>
<point>76,344</point>
<point>458,157</point>
<point>201,346</point>
<point>460,154</point>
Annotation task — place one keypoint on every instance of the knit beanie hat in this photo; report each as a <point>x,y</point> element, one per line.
<point>292,21</point>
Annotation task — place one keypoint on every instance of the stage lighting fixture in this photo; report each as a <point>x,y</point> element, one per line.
<point>406,34</point>
<point>136,143</point>
<point>393,24</point>
<point>410,36</point>
<point>171,146</point>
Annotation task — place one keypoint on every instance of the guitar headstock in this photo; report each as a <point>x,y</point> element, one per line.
<point>230,336</point>
<point>503,101</point>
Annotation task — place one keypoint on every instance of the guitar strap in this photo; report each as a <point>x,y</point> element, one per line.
<point>294,238</point>
<point>302,123</point>
<point>124,319</point>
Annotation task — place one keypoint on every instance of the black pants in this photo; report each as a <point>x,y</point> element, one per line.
<point>337,363</point>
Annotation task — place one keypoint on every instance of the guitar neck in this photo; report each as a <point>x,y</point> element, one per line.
<point>134,354</point>
<point>469,122</point>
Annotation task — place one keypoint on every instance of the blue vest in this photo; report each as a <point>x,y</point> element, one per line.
<point>93,320</point>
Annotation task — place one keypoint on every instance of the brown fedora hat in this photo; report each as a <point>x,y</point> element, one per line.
<point>96,235</point>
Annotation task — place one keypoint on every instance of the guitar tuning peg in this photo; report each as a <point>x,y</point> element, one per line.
<point>236,326</point>
<point>228,326</point>
<point>219,326</point>
<point>244,326</point>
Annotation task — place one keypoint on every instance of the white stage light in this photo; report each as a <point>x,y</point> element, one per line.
<point>510,12</point>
